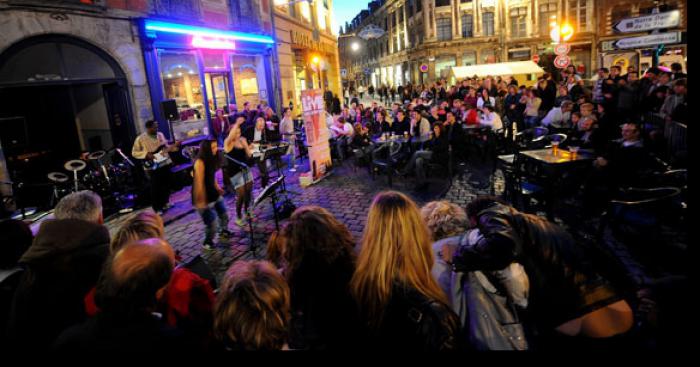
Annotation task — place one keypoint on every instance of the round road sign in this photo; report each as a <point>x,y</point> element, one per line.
<point>562,49</point>
<point>562,61</point>
<point>424,68</point>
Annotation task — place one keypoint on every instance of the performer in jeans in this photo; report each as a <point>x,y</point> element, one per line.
<point>206,194</point>
<point>152,147</point>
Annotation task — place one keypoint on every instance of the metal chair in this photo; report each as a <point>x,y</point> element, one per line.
<point>561,138</point>
<point>532,138</point>
<point>387,157</point>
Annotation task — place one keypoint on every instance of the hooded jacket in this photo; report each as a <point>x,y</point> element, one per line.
<point>61,266</point>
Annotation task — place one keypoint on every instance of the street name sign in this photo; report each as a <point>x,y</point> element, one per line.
<point>644,41</point>
<point>649,22</point>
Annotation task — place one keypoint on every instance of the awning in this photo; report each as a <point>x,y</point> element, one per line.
<point>503,68</point>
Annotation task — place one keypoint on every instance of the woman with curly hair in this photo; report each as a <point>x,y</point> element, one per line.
<point>318,260</point>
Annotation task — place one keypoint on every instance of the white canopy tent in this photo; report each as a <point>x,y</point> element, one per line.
<point>516,68</point>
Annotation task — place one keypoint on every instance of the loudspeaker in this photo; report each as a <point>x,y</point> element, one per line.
<point>169,109</point>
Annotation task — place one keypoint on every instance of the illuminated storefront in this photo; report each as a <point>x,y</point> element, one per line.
<point>202,70</point>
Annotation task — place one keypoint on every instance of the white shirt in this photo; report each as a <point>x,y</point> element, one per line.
<point>480,102</point>
<point>555,116</point>
<point>257,135</point>
<point>493,120</point>
<point>361,89</point>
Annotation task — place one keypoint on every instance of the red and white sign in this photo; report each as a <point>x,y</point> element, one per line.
<point>562,49</point>
<point>316,131</point>
<point>536,58</point>
<point>562,61</point>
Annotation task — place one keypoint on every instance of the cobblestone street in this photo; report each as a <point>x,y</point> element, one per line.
<point>347,193</point>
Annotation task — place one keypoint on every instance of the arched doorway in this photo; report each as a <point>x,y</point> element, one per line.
<point>61,96</point>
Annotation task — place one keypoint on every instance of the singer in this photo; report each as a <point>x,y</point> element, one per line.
<point>239,153</point>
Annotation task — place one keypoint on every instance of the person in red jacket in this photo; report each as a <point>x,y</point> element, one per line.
<point>187,302</point>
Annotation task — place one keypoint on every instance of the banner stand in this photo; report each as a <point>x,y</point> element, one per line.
<point>317,135</point>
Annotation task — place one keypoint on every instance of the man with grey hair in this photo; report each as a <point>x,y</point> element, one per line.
<point>60,268</point>
<point>558,117</point>
<point>84,205</point>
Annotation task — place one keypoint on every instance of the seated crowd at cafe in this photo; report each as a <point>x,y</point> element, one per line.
<point>487,276</point>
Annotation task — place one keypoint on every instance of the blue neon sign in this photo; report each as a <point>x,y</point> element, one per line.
<point>159,26</point>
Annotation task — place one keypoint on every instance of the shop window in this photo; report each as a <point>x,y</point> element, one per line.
<point>181,82</point>
<point>469,59</point>
<point>488,57</point>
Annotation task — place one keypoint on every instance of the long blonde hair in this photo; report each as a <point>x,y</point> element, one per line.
<point>396,246</point>
<point>147,224</point>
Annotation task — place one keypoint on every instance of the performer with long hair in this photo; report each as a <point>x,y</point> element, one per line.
<point>239,152</point>
<point>207,194</point>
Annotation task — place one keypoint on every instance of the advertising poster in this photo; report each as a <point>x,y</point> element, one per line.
<point>316,132</point>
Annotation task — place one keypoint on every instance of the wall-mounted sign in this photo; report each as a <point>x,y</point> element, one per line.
<point>649,22</point>
<point>645,41</point>
<point>424,68</point>
<point>304,40</point>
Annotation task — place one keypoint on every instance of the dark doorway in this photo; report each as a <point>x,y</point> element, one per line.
<point>61,97</point>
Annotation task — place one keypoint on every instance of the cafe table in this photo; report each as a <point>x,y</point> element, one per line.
<point>553,165</point>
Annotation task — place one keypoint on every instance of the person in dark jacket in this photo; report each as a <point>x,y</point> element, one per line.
<point>567,295</point>
<point>336,105</point>
<point>402,124</point>
<point>400,304</point>
<point>15,239</point>
<point>318,260</point>
<point>130,285</point>
<point>61,266</point>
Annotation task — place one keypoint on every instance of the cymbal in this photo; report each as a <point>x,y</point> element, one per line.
<point>74,165</point>
<point>96,155</point>
<point>58,177</point>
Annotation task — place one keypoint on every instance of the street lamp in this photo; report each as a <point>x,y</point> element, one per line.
<point>561,33</point>
<point>355,46</point>
<point>316,60</point>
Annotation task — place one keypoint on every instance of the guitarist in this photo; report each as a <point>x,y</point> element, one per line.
<point>152,147</point>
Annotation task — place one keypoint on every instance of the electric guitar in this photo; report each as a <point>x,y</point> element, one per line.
<point>159,159</point>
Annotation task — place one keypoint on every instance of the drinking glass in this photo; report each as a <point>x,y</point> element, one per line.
<point>574,152</point>
<point>555,147</point>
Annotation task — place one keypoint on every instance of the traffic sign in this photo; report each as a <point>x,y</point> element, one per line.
<point>343,72</point>
<point>424,68</point>
<point>562,49</point>
<point>649,22</point>
<point>562,61</point>
<point>536,58</point>
<point>646,41</point>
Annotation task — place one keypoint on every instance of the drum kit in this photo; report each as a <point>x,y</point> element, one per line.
<point>95,173</point>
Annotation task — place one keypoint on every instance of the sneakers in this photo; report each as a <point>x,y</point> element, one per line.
<point>225,233</point>
<point>240,222</point>
<point>208,245</point>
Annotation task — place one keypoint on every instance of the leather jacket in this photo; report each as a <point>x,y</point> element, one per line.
<point>563,284</point>
<point>413,322</point>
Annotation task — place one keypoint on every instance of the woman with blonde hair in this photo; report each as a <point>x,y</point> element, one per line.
<point>252,308</point>
<point>147,224</point>
<point>400,304</point>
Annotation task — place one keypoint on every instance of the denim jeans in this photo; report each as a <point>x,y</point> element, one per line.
<point>419,161</point>
<point>209,214</point>
<point>531,121</point>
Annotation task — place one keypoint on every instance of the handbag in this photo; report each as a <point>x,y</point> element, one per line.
<point>488,315</point>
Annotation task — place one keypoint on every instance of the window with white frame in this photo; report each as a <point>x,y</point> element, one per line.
<point>444,29</point>
<point>467,25</point>
<point>518,22</point>
<point>488,23</point>
<point>547,14</point>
